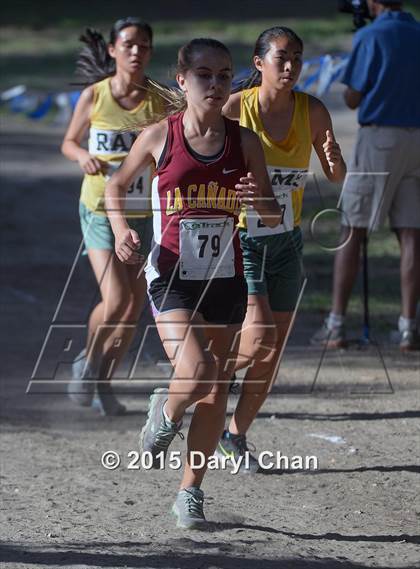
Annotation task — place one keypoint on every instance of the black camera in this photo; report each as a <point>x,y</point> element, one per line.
<point>358,8</point>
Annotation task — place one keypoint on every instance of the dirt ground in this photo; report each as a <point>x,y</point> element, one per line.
<point>357,411</point>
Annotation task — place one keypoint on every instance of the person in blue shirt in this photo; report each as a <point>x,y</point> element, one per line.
<point>383,82</point>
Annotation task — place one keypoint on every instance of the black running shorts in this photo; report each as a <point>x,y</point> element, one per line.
<point>219,301</point>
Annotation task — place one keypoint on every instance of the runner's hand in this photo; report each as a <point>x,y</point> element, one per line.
<point>248,190</point>
<point>92,165</point>
<point>126,247</point>
<point>332,150</point>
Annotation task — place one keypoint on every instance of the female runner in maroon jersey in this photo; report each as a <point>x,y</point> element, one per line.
<point>194,272</point>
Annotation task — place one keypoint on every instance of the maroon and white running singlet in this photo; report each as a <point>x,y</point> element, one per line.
<point>195,209</point>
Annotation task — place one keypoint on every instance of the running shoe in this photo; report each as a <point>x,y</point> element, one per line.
<point>188,508</point>
<point>234,386</point>
<point>235,446</point>
<point>331,338</point>
<point>82,385</point>
<point>105,401</point>
<point>158,432</point>
<point>410,341</point>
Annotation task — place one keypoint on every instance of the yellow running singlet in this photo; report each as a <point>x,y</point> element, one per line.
<point>112,134</point>
<point>287,162</point>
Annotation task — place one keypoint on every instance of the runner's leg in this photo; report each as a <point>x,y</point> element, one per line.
<point>262,372</point>
<point>119,340</point>
<point>195,367</point>
<point>210,412</point>
<point>258,334</point>
<point>111,326</point>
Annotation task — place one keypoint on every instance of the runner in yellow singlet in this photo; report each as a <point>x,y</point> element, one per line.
<point>289,123</point>
<point>115,102</point>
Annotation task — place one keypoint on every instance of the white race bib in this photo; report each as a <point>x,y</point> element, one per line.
<point>206,248</point>
<point>139,193</point>
<point>284,183</point>
<point>109,142</point>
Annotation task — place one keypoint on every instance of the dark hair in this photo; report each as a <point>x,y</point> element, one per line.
<point>187,51</point>
<point>173,97</point>
<point>126,23</point>
<point>262,46</point>
<point>94,62</point>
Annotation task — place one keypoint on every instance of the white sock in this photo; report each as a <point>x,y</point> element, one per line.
<point>168,420</point>
<point>405,324</point>
<point>335,320</point>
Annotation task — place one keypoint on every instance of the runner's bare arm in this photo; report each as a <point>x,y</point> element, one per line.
<point>232,109</point>
<point>323,140</point>
<point>255,189</point>
<point>76,130</point>
<point>144,151</point>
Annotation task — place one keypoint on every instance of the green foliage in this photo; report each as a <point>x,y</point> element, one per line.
<point>30,55</point>
<point>43,56</point>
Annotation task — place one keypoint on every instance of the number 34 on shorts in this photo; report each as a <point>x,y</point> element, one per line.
<point>206,248</point>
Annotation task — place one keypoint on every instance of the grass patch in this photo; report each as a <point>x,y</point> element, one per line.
<point>383,256</point>
<point>62,39</point>
<point>46,59</point>
<point>384,281</point>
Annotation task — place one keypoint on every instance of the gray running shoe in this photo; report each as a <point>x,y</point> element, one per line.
<point>188,508</point>
<point>82,385</point>
<point>236,446</point>
<point>105,401</point>
<point>410,341</point>
<point>332,339</point>
<point>158,433</point>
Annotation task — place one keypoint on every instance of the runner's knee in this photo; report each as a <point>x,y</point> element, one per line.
<point>199,377</point>
<point>218,395</point>
<point>118,306</point>
<point>133,310</point>
<point>260,343</point>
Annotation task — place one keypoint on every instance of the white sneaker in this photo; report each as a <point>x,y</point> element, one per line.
<point>188,508</point>
<point>410,341</point>
<point>82,385</point>
<point>331,338</point>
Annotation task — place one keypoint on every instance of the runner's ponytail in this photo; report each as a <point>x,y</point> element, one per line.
<point>94,62</point>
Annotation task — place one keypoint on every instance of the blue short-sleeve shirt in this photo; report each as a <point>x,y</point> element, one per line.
<point>385,66</point>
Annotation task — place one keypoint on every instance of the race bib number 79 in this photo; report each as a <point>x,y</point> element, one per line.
<point>206,249</point>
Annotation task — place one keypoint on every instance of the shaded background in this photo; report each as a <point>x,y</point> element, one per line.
<point>39,39</point>
<point>41,14</point>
